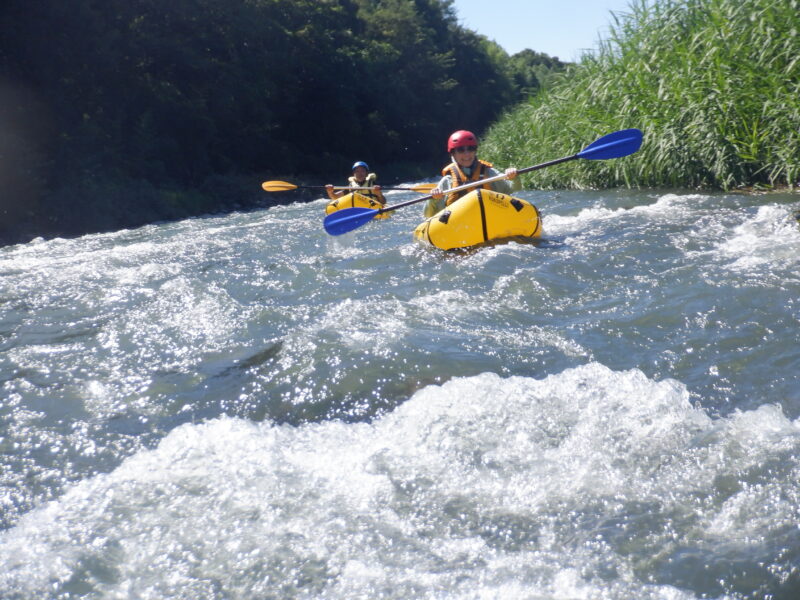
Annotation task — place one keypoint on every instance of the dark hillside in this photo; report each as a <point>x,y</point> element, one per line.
<point>121,112</point>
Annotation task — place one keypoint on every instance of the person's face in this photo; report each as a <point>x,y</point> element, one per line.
<point>360,173</point>
<point>465,155</point>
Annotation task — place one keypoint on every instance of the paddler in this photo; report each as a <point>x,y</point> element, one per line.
<point>464,167</point>
<point>361,178</point>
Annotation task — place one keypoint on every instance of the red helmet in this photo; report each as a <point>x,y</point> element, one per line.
<point>461,138</point>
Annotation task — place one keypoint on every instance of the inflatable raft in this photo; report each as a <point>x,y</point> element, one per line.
<point>482,217</point>
<point>354,200</point>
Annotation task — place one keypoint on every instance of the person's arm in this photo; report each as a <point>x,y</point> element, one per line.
<point>371,182</point>
<point>376,189</point>
<point>516,182</point>
<point>333,194</point>
<point>505,186</point>
<point>437,202</point>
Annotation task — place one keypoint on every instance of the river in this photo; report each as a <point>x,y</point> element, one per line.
<point>242,406</point>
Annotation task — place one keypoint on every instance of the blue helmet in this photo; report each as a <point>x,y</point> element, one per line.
<point>360,163</point>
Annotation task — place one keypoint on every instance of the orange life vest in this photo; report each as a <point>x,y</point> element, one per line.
<point>458,178</point>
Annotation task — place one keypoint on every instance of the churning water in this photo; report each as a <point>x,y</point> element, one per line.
<point>243,407</point>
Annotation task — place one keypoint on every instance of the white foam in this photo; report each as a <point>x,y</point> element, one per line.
<point>771,237</point>
<point>571,224</point>
<point>481,487</point>
<point>679,205</point>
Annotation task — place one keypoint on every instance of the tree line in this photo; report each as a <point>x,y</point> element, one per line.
<point>117,112</point>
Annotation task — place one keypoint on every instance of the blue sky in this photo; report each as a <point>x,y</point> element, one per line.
<point>561,28</point>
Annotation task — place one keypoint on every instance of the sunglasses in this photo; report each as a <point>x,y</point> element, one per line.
<point>466,149</point>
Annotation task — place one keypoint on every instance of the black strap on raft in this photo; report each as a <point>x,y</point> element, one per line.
<point>483,216</point>
<point>428,232</point>
<point>538,221</point>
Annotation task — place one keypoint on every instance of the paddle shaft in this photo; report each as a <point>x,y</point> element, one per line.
<point>473,184</point>
<point>352,189</point>
<point>286,188</point>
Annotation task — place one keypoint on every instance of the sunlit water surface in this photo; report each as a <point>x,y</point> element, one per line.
<point>244,407</point>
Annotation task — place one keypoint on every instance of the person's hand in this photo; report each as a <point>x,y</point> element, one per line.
<point>511,173</point>
<point>436,193</point>
<point>329,187</point>
<point>376,189</point>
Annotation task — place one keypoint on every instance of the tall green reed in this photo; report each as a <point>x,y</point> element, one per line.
<point>713,84</point>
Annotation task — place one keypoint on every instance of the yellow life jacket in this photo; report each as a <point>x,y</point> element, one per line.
<point>457,178</point>
<point>369,181</point>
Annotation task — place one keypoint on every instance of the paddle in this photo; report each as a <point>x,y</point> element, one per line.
<point>614,145</point>
<point>285,186</point>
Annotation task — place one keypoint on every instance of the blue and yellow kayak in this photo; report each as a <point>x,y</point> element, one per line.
<point>482,217</point>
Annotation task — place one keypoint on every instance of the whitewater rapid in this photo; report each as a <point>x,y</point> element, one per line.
<point>240,406</point>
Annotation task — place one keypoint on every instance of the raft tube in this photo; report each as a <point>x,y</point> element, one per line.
<point>482,217</point>
<point>354,200</point>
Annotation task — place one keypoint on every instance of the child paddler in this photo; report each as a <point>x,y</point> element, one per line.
<point>464,167</point>
<point>361,178</point>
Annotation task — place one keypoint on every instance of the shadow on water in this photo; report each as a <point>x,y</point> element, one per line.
<point>267,354</point>
<point>547,243</point>
<point>257,387</point>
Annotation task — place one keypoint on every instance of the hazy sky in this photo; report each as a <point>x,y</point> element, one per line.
<point>561,28</point>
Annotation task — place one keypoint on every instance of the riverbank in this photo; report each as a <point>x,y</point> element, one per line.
<point>94,205</point>
<point>103,205</point>
<point>85,208</point>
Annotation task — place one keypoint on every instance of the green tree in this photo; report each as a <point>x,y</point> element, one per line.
<point>138,104</point>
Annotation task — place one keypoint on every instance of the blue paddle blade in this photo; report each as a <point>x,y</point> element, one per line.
<point>348,219</point>
<point>613,145</point>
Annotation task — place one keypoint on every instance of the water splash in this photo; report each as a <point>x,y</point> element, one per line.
<point>481,487</point>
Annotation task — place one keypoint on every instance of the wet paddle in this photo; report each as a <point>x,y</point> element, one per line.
<point>614,145</point>
<point>285,186</point>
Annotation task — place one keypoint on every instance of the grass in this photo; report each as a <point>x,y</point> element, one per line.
<point>713,84</point>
